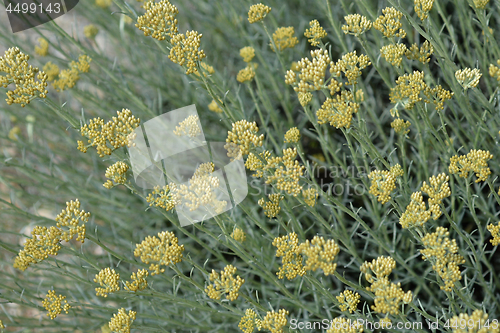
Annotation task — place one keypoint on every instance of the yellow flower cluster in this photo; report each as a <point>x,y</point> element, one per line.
<point>348,301</point>
<point>401,126</point>
<point>71,218</point>
<point>442,253</point>
<point>389,23</point>
<point>320,253</point>
<point>14,133</point>
<point>356,24</point>
<point>494,71</point>
<point>423,7</point>
<point>480,4</point>
<point>310,195</point>
<point>475,161</point>
<point>411,89</point>
<point>166,197</point>
<point>384,182</point>
<point>121,321</point>
<point>159,20</point>
<point>284,38</point>
<point>315,33</point>
<point>275,321</point>
<point>116,172</point>
<point>116,132</point>
<point>1,324</point>
<point>45,241</point>
<point>214,107</point>
<point>103,3</point>
<point>90,31</point>
<point>206,69</point>
<point>342,325</point>
<point>339,110</point>
<point>249,322</point>
<point>416,213</point>
<point>287,173</point>
<point>272,207</point>
<point>139,281</point>
<point>239,235</point>
<point>476,323</point>
<point>437,190</point>
<point>423,54</point>
<point>246,74</point>
<point>468,78</point>
<point>258,12</point>
<point>243,134</point>
<point>189,127</point>
<point>351,65</point>
<point>43,49</point>
<point>292,135</point>
<point>388,295</point>
<point>393,53</point>
<point>495,233</point>
<point>52,71</point>
<point>225,283</point>
<point>14,68</point>
<point>288,248</point>
<point>68,77</point>
<point>54,304</point>
<point>158,251</point>
<point>201,190</point>
<point>108,279</point>
<point>312,73</point>
<point>186,50</point>
<point>247,53</point>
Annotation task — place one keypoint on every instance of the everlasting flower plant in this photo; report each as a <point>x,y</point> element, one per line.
<point>359,180</point>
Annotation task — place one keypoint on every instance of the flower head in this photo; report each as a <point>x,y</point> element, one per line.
<point>258,12</point>
<point>247,53</point>
<point>480,4</point>
<point>310,196</point>
<point>108,279</point>
<point>495,233</point>
<point>114,133</point>
<point>284,38</point>
<point>249,321</point>
<point>423,54</point>
<point>320,253</point>
<point>393,53</point>
<point>272,207</point>
<point>44,242</point>
<point>356,24</point>
<point>186,51</point>
<point>246,74</point>
<point>214,107</point>
<point>423,7</point>
<point>116,174</point>
<point>288,248</point>
<point>348,301</point>
<point>389,23</point>
<point>351,65</point>
<point>74,219</point>
<point>475,160</point>
<point>159,20</point>
<point>43,49</point>
<point>494,71</point>
<point>478,322</point>
<point>14,68</point>
<point>163,250</point>
<point>238,235</point>
<point>468,78</point>
<point>54,304</point>
<point>121,321</point>
<point>315,33</point>
<point>275,321</point>
<point>90,31</point>
<point>442,253</point>
<point>243,134</point>
<point>292,135</point>
<point>139,281</point>
<point>52,71</point>
<point>401,126</point>
<point>189,126</point>
<point>384,182</point>
<point>224,283</point>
